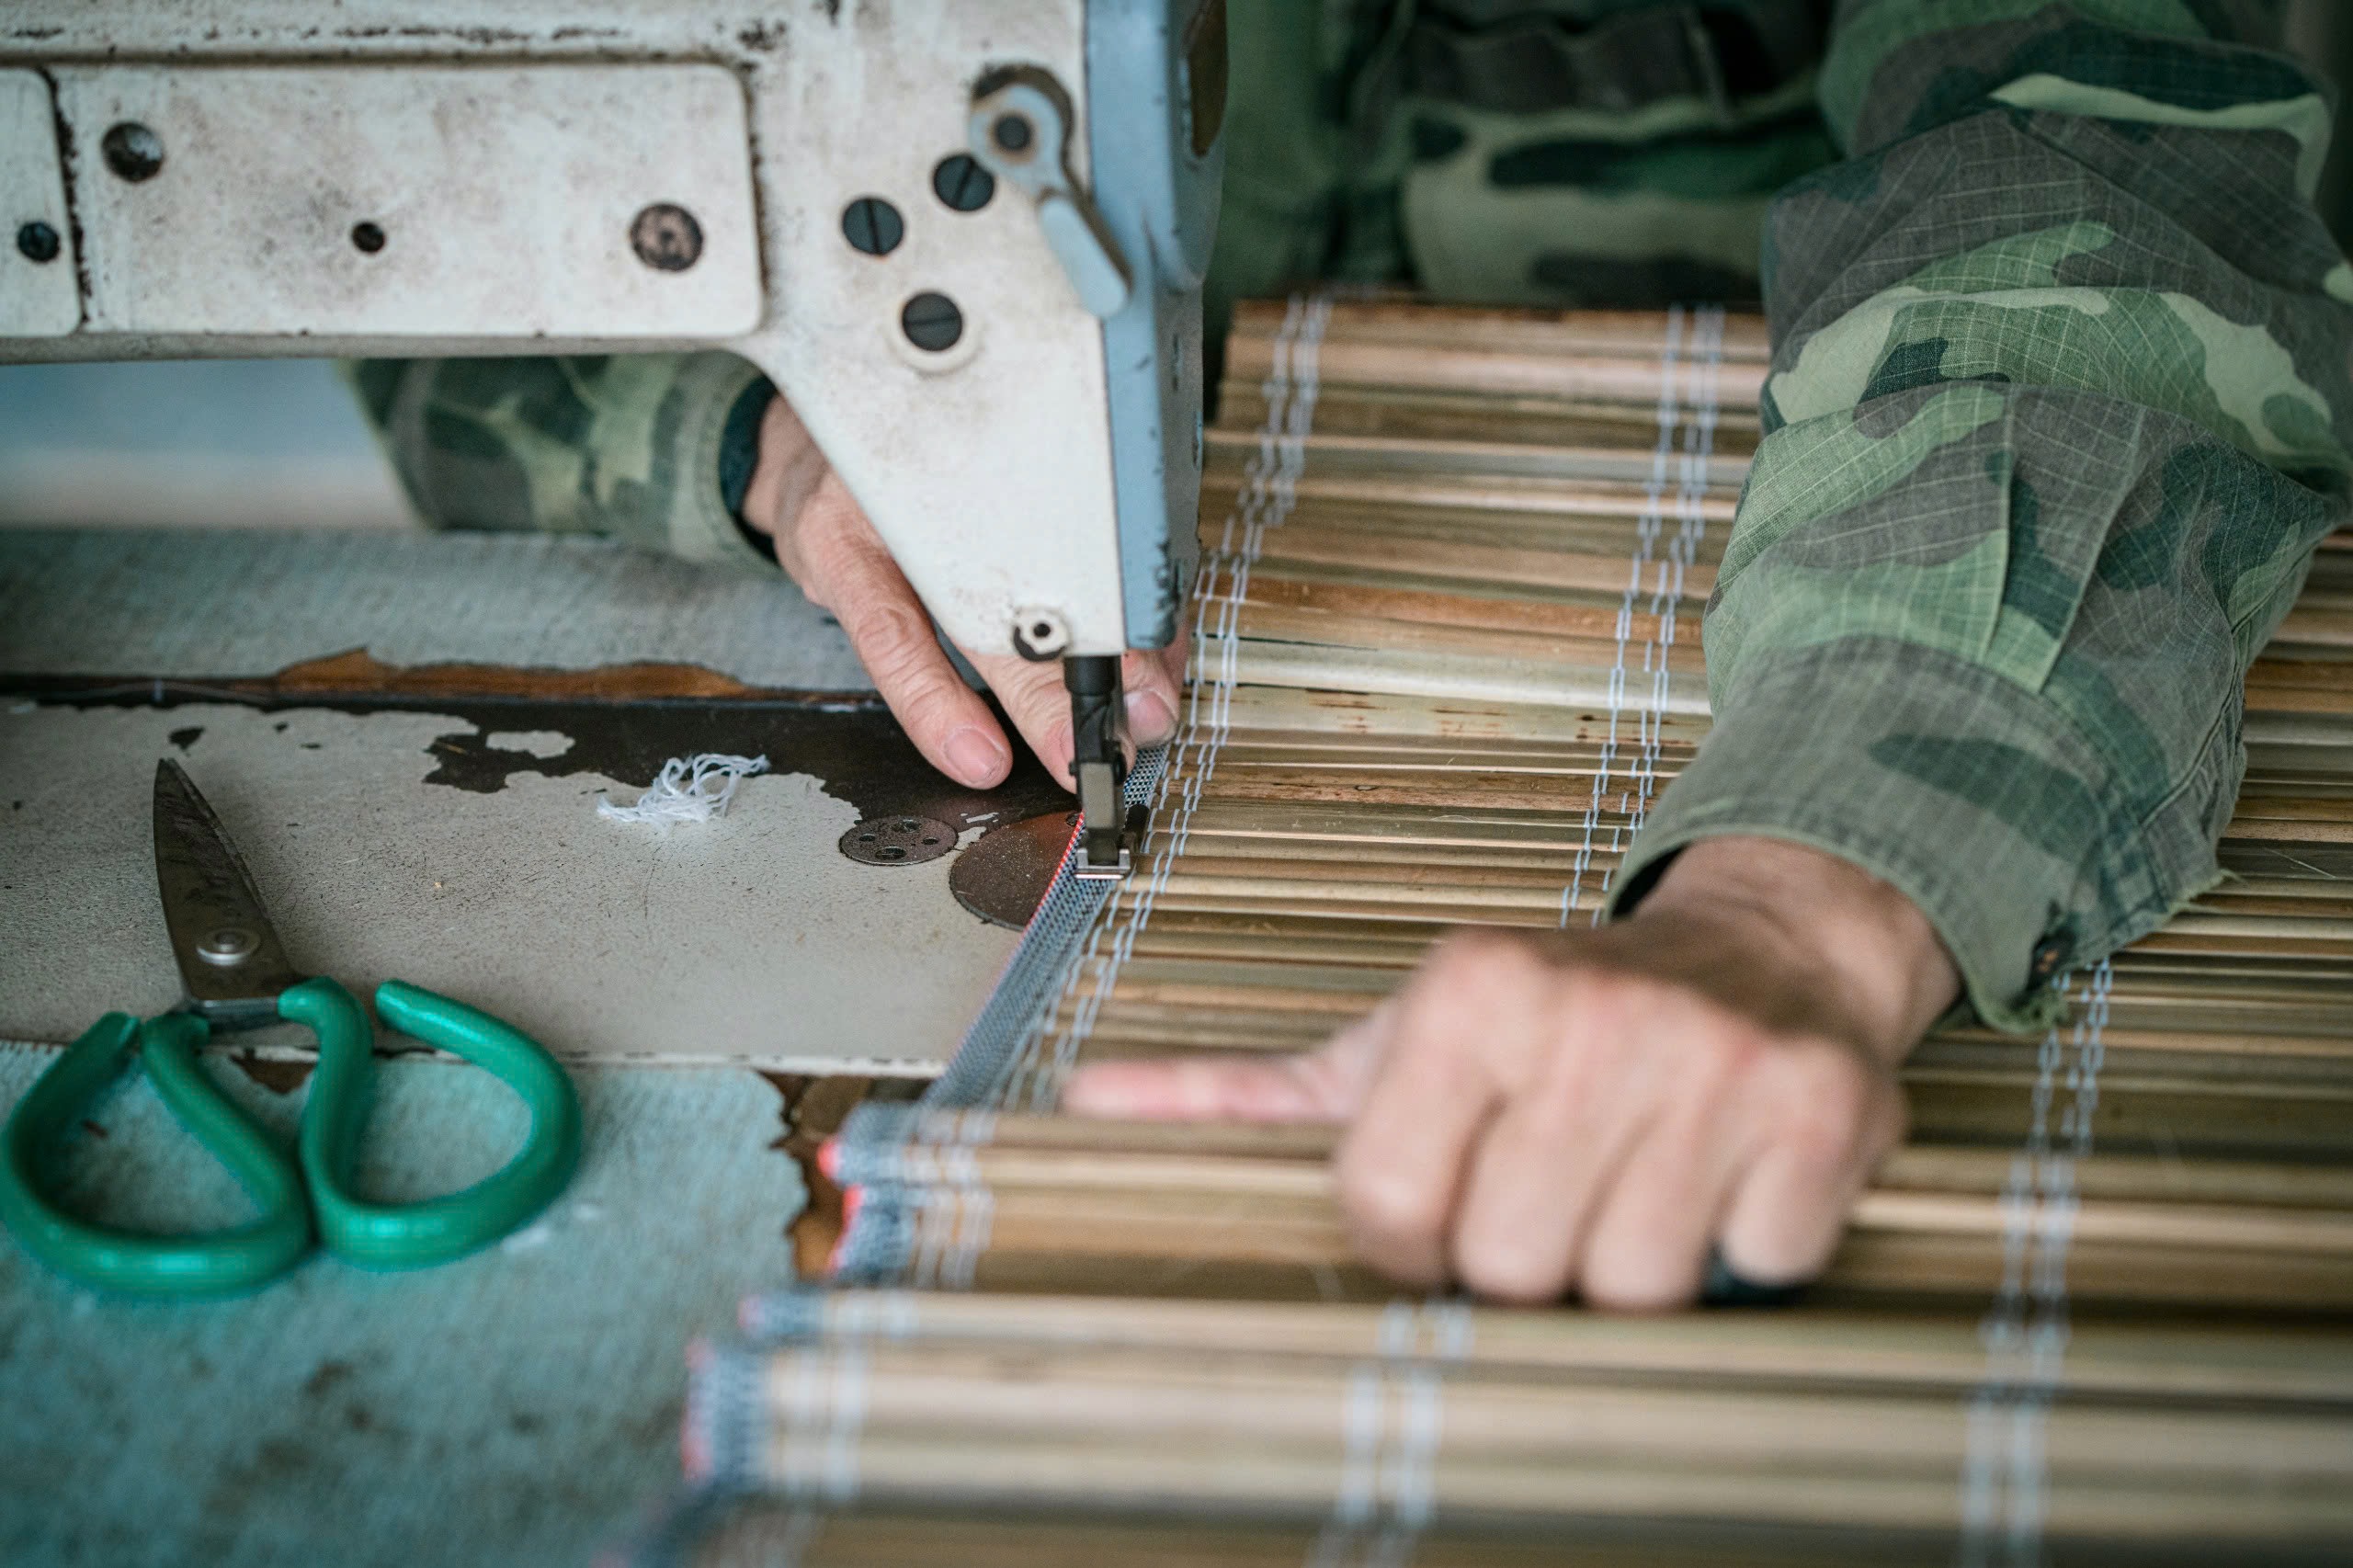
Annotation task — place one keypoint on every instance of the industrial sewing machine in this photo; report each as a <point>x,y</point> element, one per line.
<point>965,238</point>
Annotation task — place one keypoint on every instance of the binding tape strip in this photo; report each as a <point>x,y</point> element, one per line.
<point>1270,491</point>
<point>2004,1485</point>
<point>922,1209</point>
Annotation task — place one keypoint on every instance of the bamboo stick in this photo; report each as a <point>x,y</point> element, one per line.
<point>1465,655</point>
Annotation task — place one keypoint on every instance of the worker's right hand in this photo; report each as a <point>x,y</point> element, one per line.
<point>824,541</point>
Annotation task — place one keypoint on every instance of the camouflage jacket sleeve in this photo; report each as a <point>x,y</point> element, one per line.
<point>2060,409</point>
<point>637,446</point>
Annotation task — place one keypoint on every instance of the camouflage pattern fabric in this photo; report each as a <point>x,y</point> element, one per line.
<point>628,445</point>
<point>1561,153</point>
<point>2060,409</point>
<point>2060,405</point>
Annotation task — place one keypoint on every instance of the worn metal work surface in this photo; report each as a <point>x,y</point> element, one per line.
<point>519,1406</point>
<point>749,939</point>
<point>438,821</point>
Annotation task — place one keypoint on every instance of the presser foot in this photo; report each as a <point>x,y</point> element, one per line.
<point>1098,766</point>
<point>1109,831</point>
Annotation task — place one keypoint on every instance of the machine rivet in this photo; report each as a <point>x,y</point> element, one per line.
<point>872,226</point>
<point>229,946</point>
<point>368,237</point>
<point>666,237</point>
<point>37,242</point>
<point>960,182</point>
<point>932,323</point>
<point>132,151</point>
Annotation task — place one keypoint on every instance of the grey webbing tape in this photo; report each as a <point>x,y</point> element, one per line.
<point>1269,494</point>
<point>1514,57</point>
<point>926,1213</point>
<point>2003,1481</point>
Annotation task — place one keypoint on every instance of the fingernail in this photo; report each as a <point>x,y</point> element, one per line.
<point>1150,718</point>
<point>975,757</point>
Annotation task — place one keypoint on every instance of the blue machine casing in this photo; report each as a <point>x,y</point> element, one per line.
<point>1158,197</point>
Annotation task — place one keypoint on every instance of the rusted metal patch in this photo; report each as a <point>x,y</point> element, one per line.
<point>622,723</point>
<point>897,840</point>
<point>1004,876</point>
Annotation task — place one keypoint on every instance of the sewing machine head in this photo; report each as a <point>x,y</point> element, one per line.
<point>967,241</point>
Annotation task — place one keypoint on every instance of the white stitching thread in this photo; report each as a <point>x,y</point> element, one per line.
<point>1268,492</point>
<point>1392,1419</point>
<point>2005,1481</point>
<point>1692,422</point>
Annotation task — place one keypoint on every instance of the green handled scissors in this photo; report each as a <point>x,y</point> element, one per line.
<point>237,976</point>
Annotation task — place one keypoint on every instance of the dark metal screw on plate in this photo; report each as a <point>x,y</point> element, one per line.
<point>132,151</point>
<point>666,237</point>
<point>872,226</point>
<point>228,946</point>
<point>37,242</point>
<point>962,184</point>
<point>932,323</point>
<point>1012,132</point>
<point>369,237</point>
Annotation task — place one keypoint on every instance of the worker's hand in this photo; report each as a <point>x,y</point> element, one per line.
<point>829,548</point>
<point>1534,1114</point>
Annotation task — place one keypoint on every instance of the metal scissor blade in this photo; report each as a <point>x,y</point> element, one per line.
<point>229,954</point>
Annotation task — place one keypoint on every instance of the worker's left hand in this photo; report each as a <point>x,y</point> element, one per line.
<point>826,545</point>
<point>1537,1113</point>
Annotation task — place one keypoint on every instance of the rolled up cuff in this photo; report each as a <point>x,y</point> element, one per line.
<point>1973,796</point>
<point>702,524</point>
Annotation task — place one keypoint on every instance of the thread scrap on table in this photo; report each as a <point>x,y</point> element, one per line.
<point>688,789</point>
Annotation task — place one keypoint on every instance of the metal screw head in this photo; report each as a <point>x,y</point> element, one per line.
<point>666,237</point>
<point>229,946</point>
<point>1012,132</point>
<point>132,151</point>
<point>872,226</point>
<point>1040,634</point>
<point>960,182</point>
<point>37,242</point>
<point>932,323</point>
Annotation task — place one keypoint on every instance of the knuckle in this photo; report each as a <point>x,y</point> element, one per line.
<point>1620,1287</point>
<point>1387,1203</point>
<point>1826,1105</point>
<point>895,642</point>
<point>926,703</point>
<point>1503,1271</point>
<point>1731,1052</point>
<point>1479,962</point>
<point>1142,672</point>
<point>1619,1002</point>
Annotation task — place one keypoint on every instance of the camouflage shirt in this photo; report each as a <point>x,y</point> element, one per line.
<point>2059,407</point>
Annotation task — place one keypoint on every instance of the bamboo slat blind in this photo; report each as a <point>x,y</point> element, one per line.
<point>2101,1301</point>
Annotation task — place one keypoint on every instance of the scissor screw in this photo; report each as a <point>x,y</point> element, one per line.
<point>228,946</point>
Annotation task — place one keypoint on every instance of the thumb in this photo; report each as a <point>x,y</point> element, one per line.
<point>1324,1085</point>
